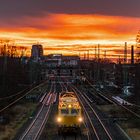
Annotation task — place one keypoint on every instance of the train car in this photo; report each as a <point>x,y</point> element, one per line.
<point>69,117</point>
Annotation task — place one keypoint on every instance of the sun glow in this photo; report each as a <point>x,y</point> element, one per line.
<point>70,33</point>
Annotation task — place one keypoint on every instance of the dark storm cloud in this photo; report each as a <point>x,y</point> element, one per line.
<point>19,8</point>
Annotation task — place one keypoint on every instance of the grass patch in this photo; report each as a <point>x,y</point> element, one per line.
<point>21,114</point>
<point>112,111</point>
<point>132,128</point>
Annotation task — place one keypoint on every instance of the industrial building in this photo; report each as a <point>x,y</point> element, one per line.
<point>37,51</point>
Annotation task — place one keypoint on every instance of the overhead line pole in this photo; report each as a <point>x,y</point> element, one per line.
<point>98,64</point>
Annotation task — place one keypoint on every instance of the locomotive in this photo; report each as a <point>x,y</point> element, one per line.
<point>69,117</point>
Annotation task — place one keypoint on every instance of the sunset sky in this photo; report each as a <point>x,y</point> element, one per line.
<point>71,26</point>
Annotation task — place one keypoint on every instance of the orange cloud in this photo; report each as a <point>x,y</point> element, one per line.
<point>77,31</point>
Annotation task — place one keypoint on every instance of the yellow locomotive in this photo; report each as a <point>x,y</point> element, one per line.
<point>69,116</point>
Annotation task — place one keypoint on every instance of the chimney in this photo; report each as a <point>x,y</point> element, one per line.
<point>132,54</point>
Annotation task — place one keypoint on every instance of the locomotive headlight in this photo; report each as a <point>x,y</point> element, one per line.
<point>69,106</point>
<point>80,119</point>
<point>59,119</point>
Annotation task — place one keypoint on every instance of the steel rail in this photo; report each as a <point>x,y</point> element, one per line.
<point>13,95</point>
<point>94,130</point>
<point>45,118</point>
<point>9,105</point>
<point>109,100</point>
<point>97,116</point>
<point>64,84</point>
<point>114,102</point>
<point>43,123</point>
<point>37,116</point>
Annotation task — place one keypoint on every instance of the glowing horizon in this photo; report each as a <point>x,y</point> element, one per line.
<point>72,33</point>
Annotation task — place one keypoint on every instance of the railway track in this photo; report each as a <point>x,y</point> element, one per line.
<point>33,132</point>
<point>109,99</point>
<point>20,95</point>
<point>94,122</point>
<point>97,129</point>
<point>99,125</point>
<point>67,136</point>
<point>88,124</point>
